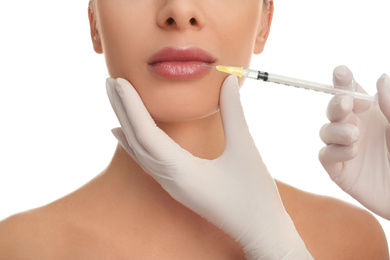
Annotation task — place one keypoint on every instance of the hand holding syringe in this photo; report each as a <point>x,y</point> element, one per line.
<point>368,180</point>
<point>265,76</point>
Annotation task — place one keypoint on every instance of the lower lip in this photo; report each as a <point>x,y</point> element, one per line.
<point>181,70</point>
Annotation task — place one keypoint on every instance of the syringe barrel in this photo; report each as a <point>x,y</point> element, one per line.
<point>255,74</point>
<point>317,87</point>
<point>299,83</point>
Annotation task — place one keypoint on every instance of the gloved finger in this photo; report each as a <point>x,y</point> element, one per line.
<point>155,141</point>
<point>120,112</point>
<point>339,133</point>
<point>333,156</point>
<point>233,119</point>
<point>334,153</point>
<point>152,165</point>
<point>343,78</point>
<point>339,108</point>
<point>121,137</point>
<point>383,88</point>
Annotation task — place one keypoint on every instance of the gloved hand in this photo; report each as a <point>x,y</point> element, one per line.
<point>357,139</point>
<point>235,192</point>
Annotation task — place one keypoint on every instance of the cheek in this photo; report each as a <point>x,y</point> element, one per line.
<point>123,41</point>
<point>238,36</point>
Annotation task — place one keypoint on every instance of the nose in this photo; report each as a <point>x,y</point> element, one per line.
<point>180,15</point>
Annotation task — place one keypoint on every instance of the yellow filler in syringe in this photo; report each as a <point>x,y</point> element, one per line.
<point>265,76</point>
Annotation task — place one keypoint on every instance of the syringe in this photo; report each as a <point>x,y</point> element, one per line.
<point>265,76</point>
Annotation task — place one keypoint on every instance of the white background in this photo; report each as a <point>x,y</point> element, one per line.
<point>56,119</point>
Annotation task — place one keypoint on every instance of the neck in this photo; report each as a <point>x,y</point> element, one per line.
<point>125,189</point>
<point>203,138</point>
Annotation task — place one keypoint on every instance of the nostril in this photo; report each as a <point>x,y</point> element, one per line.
<point>170,21</point>
<point>192,21</point>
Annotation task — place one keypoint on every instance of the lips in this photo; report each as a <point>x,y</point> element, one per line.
<point>181,64</point>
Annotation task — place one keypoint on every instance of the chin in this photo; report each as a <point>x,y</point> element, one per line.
<point>175,114</point>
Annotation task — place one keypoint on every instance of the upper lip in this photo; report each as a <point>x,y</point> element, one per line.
<point>172,54</point>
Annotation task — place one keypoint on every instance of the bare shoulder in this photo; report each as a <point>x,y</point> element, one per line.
<point>32,234</point>
<point>18,233</point>
<point>333,229</point>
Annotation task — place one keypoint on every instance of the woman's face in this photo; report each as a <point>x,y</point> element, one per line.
<point>162,47</point>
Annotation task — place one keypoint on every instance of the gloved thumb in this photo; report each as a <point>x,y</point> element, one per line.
<point>383,88</point>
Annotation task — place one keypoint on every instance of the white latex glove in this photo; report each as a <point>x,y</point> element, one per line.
<point>358,140</point>
<point>235,192</point>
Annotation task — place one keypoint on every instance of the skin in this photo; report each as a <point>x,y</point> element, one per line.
<point>123,213</point>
